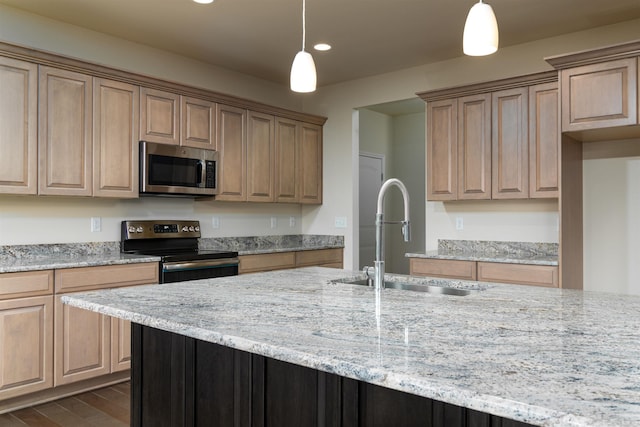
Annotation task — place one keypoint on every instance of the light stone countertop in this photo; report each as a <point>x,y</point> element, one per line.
<point>544,356</point>
<point>55,261</point>
<point>474,256</point>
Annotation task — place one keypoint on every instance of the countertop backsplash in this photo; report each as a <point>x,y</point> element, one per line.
<point>487,247</point>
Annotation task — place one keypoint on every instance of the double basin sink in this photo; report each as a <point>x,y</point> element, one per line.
<point>428,285</point>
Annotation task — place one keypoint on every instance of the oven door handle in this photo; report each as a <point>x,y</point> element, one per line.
<point>192,265</point>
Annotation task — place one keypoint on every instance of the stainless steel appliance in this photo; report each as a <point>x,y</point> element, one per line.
<point>176,242</point>
<point>173,170</point>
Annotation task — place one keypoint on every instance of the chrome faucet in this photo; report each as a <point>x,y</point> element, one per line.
<point>378,269</point>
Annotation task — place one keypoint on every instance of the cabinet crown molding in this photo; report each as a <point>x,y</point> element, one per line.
<point>76,65</point>
<point>490,86</point>
<point>593,56</point>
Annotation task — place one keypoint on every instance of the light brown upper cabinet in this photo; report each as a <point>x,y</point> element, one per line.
<point>442,150</point>
<point>477,139</point>
<point>544,141</point>
<point>600,95</point>
<point>474,147</point>
<point>64,139</point>
<point>198,123</point>
<point>19,124</point>
<point>159,116</point>
<point>510,144</point>
<point>232,148</point>
<point>260,157</point>
<point>310,163</point>
<point>115,139</point>
<point>287,188</point>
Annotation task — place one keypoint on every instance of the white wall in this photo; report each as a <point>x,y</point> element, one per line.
<point>611,190</point>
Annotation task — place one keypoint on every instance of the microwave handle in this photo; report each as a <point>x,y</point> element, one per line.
<point>200,172</point>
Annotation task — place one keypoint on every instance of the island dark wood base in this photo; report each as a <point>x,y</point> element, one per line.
<point>181,381</point>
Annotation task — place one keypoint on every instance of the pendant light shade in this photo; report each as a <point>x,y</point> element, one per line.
<point>303,69</point>
<point>480,31</point>
<point>303,73</point>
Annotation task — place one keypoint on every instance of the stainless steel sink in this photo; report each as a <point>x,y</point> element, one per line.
<point>423,287</point>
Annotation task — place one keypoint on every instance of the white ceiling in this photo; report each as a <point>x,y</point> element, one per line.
<point>261,37</point>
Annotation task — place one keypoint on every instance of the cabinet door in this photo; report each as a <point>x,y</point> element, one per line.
<point>474,147</point>
<point>19,124</point>
<point>442,152</point>
<point>287,188</point>
<point>260,157</point>
<point>159,116</point>
<point>198,123</point>
<point>310,164</point>
<point>64,140</point>
<point>82,345</point>
<point>510,145</point>
<point>600,95</point>
<point>115,139</point>
<point>232,146</point>
<point>544,140</point>
<point>26,345</point>
<point>450,269</point>
<point>120,345</point>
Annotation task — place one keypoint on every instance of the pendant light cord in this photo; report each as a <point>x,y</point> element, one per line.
<point>304,25</point>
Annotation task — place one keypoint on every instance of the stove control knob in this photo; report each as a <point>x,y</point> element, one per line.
<point>131,229</point>
<point>139,229</point>
<point>191,228</point>
<point>185,228</point>
<point>197,228</point>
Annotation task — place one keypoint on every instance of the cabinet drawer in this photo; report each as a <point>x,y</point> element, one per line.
<point>538,275</point>
<point>266,262</point>
<point>28,283</point>
<point>319,257</point>
<point>453,269</point>
<point>109,276</point>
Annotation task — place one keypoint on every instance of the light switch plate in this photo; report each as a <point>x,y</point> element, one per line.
<point>274,222</point>
<point>215,222</point>
<point>341,222</point>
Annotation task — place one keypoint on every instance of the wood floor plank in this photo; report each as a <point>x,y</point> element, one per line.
<point>105,406</point>
<point>8,420</point>
<point>112,395</point>
<point>88,413</point>
<point>33,418</point>
<point>61,415</point>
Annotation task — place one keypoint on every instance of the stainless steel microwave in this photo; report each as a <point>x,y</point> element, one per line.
<point>173,170</point>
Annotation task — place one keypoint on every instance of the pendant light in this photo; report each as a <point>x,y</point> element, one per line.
<point>480,31</point>
<point>303,69</point>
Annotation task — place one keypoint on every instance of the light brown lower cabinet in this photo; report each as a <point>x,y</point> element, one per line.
<point>90,344</point>
<point>26,343</point>
<point>82,345</point>
<point>521,274</point>
<point>283,260</point>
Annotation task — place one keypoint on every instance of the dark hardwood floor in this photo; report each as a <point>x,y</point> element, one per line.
<point>105,407</point>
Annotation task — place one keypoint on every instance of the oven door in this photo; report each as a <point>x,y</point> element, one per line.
<point>180,271</point>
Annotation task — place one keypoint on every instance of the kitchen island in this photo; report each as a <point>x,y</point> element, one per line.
<point>534,355</point>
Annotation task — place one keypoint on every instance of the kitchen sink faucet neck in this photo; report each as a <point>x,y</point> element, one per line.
<point>406,232</point>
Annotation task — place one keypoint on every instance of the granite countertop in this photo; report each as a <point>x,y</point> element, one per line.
<point>492,251</point>
<point>13,265</point>
<point>19,258</point>
<point>544,356</point>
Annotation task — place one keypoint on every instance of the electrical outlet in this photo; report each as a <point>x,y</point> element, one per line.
<point>96,224</point>
<point>215,222</point>
<point>341,222</point>
<point>292,221</point>
<point>459,223</point>
<point>274,222</point>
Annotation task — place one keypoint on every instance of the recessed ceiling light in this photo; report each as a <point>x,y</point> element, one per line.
<point>322,46</point>
<point>203,1</point>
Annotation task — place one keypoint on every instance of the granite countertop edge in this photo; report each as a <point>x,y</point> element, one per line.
<point>61,261</point>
